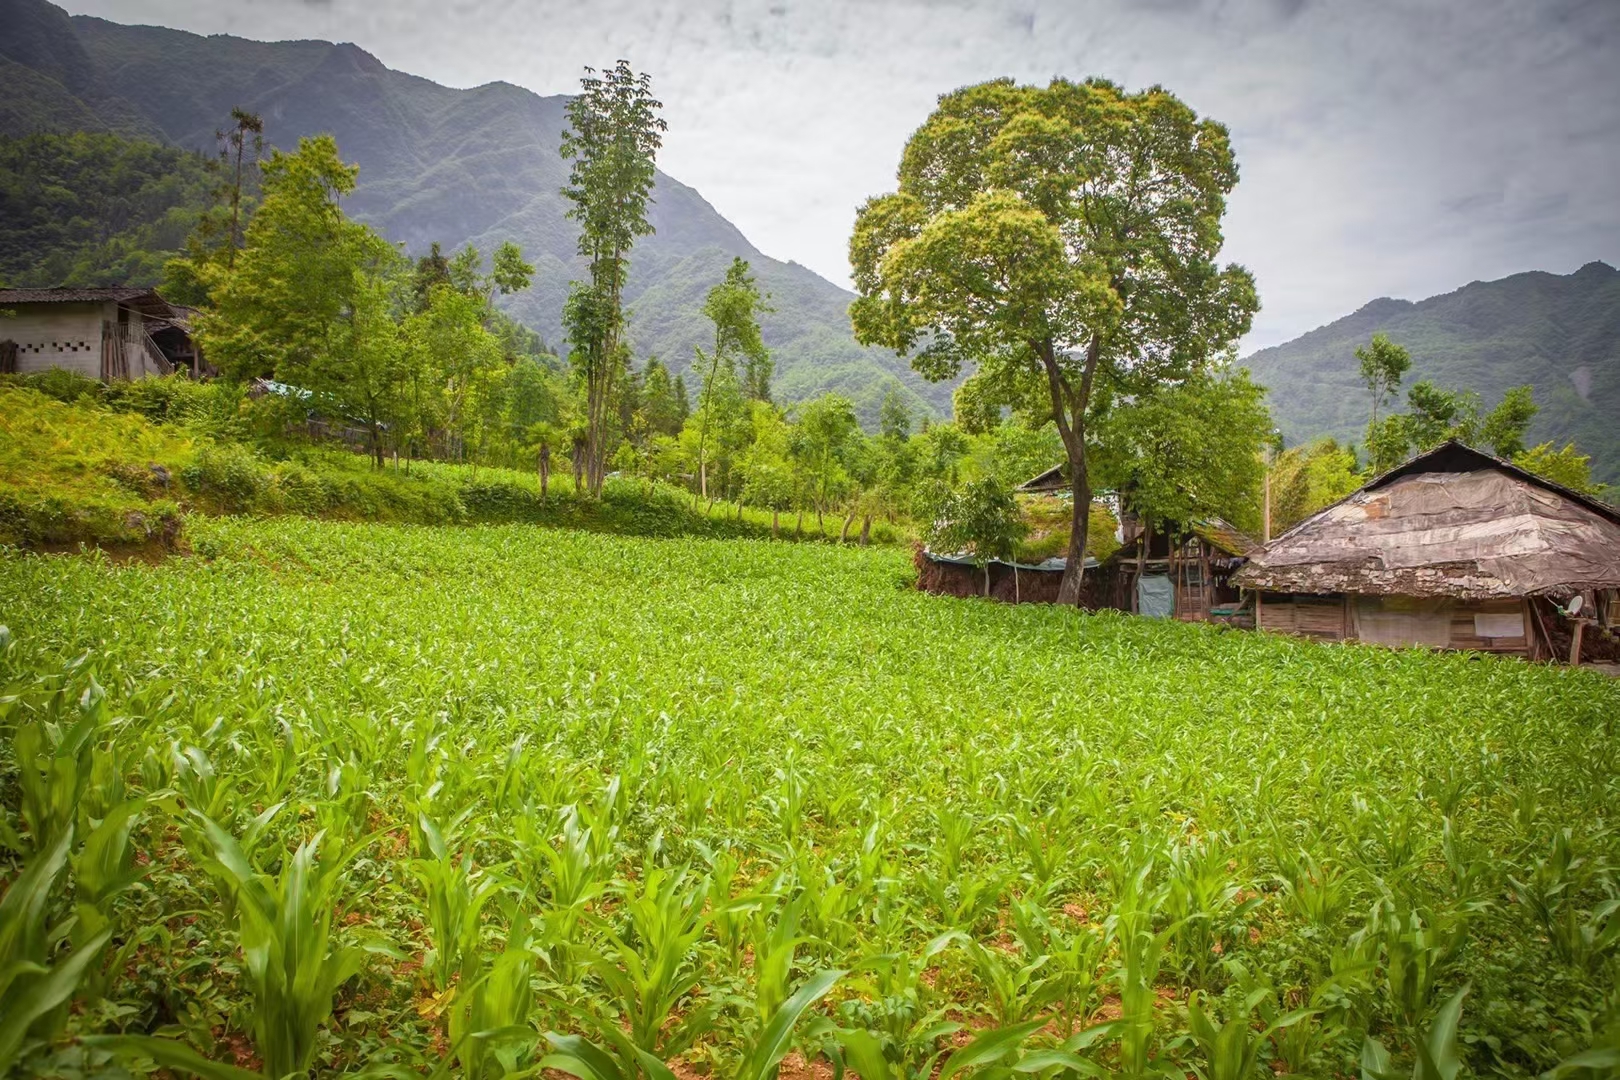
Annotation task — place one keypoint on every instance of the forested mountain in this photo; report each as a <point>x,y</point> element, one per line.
<point>1559,333</point>
<point>93,208</point>
<point>436,164</point>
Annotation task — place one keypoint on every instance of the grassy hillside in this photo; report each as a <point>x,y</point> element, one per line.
<point>135,466</point>
<point>1560,334</point>
<point>436,164</point>
<point>569,763</point>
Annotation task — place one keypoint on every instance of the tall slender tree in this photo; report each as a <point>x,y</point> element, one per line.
<point>734,307</point>
<point>1064,239</point>
<point>613,136</point>
<point>1382,364</point>
<point>247,130</point>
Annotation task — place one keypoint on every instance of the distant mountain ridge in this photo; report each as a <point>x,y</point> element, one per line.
<point>1558,333</point>
<point>436,164</point>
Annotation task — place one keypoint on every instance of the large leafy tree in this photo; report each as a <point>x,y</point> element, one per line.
<point>613,135</point>
<point>1063,239</point>
<point>1382,364</point>
<point>982,520</point>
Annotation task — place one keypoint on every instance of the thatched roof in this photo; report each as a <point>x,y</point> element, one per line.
<point>1450,522</point>
<point>1224,536</point>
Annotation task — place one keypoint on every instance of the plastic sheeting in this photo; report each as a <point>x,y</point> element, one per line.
<point>1155,596</point>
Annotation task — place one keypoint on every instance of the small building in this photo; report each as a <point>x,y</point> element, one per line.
<point>1454,549</point>
<point>1182,571</point>
<point>1175,570</point>
<point>108,333</point>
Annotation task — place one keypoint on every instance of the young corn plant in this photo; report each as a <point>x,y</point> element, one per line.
<point>1015,990</point>
<point>1233,1050</point>
<point>1201,896</point>
<point>993,1055</point>
<point>290,963</point>
<point>761,1058</point>
<point>1420,949</point>
<point>1314,892</point>
<point>893,1004</point>
<point>54,750</point>
<point>455,894</point>
<point>648,970</point>
<point>34,990</point>
<point>1141,955</point>
<point>1435,1054</point>
<point>489,1016</point>
<point>1075,957</point>
<point>1580,936</point>
<point>571,871</point>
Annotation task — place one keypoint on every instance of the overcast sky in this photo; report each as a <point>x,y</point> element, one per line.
<point>1386,149</point>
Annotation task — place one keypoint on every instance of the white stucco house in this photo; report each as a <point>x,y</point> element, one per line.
<point>108,333</point>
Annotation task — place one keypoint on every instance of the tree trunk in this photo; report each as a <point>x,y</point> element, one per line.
<point>776,521</point>
<point>866,530</point>
<point>843,536</point>
<point>987,579</point>
<point>798,529</point>
<point>545,469</point>
<point>1069,412</point>
<point>1079,529</point>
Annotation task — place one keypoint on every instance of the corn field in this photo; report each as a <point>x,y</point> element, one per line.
<point>500,801</point>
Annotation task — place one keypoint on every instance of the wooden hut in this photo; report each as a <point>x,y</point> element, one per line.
<point>1454,549</point>
<point>1177,570</point>
<point>1182,571</point>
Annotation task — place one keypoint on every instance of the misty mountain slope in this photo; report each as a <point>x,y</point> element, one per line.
<point>1559,333</point>
<point>436,164</point>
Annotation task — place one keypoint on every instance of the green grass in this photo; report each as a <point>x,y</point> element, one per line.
<point>645,790</point>
<point>129,470</point>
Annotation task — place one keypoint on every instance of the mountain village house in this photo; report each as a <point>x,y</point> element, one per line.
<point>107,334</point>
<point>1454,549</point>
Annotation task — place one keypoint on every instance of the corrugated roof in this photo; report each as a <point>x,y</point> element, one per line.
<point>69,295</point>
<point>1450,522</point>
<point>1050,480</point>
<point>144,299</point>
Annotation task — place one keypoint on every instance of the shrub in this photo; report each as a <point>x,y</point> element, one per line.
<point>231,475</point>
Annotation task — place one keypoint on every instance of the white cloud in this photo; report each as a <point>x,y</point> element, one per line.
<point>1386,148</point>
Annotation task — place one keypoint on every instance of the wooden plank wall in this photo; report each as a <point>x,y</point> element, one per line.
<point>1327,618</point>
<point>1320,617</point>
<point>1462,626</point>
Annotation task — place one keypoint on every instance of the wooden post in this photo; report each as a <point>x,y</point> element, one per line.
<point>1209,583</point>
<point>1265,531</point>
<point>1575,643</point>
